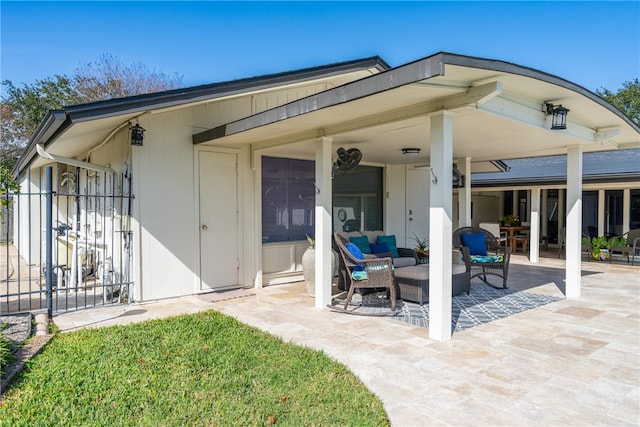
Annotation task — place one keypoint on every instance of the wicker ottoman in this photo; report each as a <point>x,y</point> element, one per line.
<point>414,282</point>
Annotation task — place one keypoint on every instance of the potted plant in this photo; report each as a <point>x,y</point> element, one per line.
<point>600,248</point>
<point>510,220</point>
<point>309,265</point>
<point>423,246</point>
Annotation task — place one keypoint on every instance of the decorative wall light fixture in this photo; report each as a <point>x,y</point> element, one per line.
<point>411,151</point>
<point>137,134</point>
<point>559,119</point>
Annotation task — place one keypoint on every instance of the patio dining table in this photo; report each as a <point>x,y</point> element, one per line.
<point>511,231</point>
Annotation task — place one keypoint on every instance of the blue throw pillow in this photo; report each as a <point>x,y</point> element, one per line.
<point>379,248</point>
<point>476,242</point>
<point>354,250</point>
<point>390,241</point>
<point>362,242</point>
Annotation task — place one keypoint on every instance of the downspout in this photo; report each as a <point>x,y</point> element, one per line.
<point>113,132</point>
<point>73,162</point>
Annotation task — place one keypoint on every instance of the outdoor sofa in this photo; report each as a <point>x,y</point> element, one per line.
<point>411,276</point>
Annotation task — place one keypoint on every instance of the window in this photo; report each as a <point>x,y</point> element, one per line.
<point>357,199</point>
<point>507,208</point>
<point>613,212</point>
<point>288,199</point>
<point>590,213</point>
<point>634,214</point>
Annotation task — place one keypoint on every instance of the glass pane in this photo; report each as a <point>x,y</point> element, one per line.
<point>634,214</point>
<point>275,199</point>
<point>357,199</point>
<point>508,203</point>
<point>613,212</point>
<point>288,199</point>
<point>303,198</point>
<point>590,213</point>
<point>552,219</point>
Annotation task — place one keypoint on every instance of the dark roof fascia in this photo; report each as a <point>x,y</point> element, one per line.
<point>53,124</point>
<point>392,78</point>
<point>556,180</point>
<point>140,103</point>
<point>395,75</point>
<point>511,68</point>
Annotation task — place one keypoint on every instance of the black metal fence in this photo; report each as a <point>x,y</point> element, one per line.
<point>66,242</point>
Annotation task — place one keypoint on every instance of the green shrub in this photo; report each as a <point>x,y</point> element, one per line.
<point>619,241</point>
<point>6,356</point>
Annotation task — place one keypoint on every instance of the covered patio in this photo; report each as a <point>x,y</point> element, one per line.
<point>572,362</point>
<point>451,108</point>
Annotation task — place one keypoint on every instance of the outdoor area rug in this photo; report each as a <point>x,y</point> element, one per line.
<point>484,304</point>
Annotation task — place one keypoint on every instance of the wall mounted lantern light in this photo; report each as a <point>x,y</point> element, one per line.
<point>411,151</point>
<point>559,119</point>
<point>137,134</point>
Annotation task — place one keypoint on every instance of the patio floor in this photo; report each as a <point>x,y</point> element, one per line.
<point>572,362</point>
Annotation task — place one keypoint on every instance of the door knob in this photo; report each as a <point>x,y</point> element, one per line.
<point>204,227</point>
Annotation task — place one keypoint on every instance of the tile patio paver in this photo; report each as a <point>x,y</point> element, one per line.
<point>572,362</point>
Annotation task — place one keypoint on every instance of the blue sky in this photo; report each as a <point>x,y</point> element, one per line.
<point>593,44</point>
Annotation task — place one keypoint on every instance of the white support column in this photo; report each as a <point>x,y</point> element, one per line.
<point>464,194</point>
<point>601,213</point>
<point>440,227</point>
<point>574,221</point>
<point>256,158</point>
<point>534,234</point>
<point>323,253</point>
<point>626,210</point>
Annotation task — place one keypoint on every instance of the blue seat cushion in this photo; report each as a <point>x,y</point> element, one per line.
<point>359,275</point>
<point>486,258</point>
<point>476,242</point>
<point>362,242</point>
<point>392,246</point>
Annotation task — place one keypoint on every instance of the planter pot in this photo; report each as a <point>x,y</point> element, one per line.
<point>309,269</point>
<point>601,255</point>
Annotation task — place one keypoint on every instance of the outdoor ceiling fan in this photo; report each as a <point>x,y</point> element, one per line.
<point>347,160</point>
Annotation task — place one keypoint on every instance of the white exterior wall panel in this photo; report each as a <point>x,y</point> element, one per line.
<point>163,205</point>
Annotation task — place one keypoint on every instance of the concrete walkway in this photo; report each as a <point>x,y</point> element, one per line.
<point>573,362</point>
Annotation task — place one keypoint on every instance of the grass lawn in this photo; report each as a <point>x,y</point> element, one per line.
<point>202,369</point>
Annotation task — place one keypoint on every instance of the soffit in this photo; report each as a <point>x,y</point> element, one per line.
<point>510,125</point>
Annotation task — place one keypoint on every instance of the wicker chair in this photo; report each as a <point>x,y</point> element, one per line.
<point>482,268</point>
<point>631,248</point>
<point>379,272</point>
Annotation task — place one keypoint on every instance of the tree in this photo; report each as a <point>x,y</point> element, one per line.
<point>109,78</point>
<point>626,99</point>
<point>23,108</point>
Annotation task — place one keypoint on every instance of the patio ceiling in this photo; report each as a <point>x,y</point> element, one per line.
<point>497,110</point>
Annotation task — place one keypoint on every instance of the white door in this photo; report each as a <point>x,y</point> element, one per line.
<point>219,246</point>
<point>417,205</point>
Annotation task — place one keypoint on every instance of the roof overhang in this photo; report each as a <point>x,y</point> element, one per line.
<point>74,130</point>
<point>497,106</point>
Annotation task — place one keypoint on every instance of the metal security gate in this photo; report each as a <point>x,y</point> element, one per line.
<point>66,241</point>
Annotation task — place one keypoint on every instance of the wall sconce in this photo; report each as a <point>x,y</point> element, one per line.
<point>457,179</point>
<point>411,151</point>
<point>559,120</point>
<point>137,134</point>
